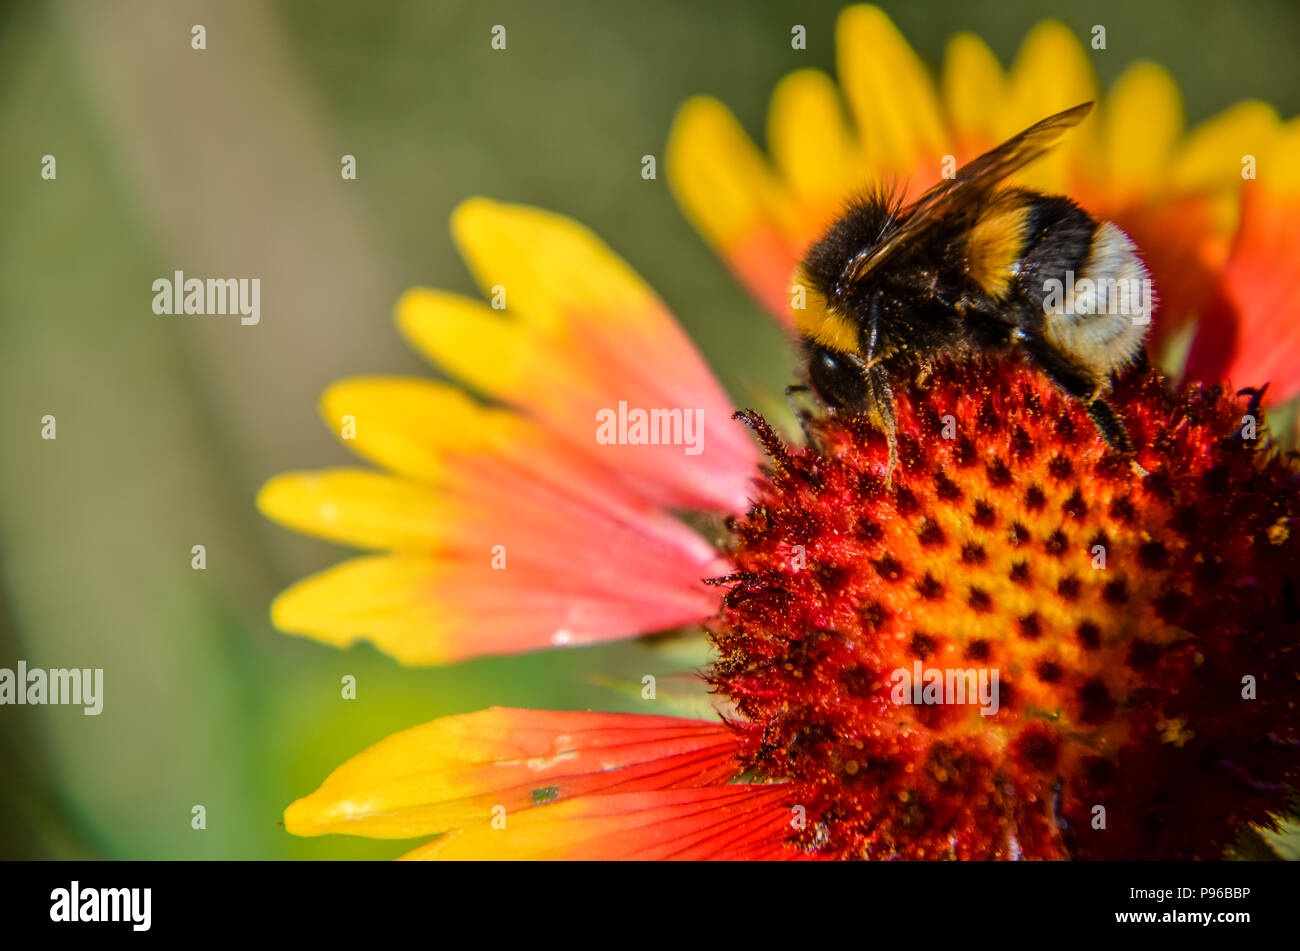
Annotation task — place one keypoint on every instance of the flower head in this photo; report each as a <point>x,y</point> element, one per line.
<point>1124,614</point>
<point>1129,625</point>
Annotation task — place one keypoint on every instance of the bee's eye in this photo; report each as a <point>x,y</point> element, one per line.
<point>837,378</point>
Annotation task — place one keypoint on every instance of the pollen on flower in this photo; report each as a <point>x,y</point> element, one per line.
<point>1117,612</point>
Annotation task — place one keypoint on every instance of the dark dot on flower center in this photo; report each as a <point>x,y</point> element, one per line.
<point>1075,507</point>
<point>930,534</point>
<point>979,600</point>
<point>1065,429</point>
<point>1171,606</point>
<point>1068,588</point>
<point>1048,671</point>
<point>1020,572</point>
<point>1030,627</point>
<point>1115,592</point>
<point>1018,535</point>
<point>921,645</point>
<point>905,501</point>
<point>1142,655</point>
<point>1089,635</point>
<point>1100,772</point>
<point>984,515</point>
<point>998,473</point>
<point>1153,555</point>
<point>1098,705</point>
<point>1038,749</point>
<point>873,614</point>
<point>973,554</point>
<point>977,650</point>
<point>856,680</point>
<point>1034,498</point>
<point>1122,511</point>
<point>1056,542</point>
<point>929,588</point>
<point>889,568</point>
<point>869,531</point>
<point>1060,468</point>
<point>946,489</point>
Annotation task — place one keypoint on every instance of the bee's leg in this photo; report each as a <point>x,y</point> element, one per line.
<point>1082,387</point>
<point>802,415</point>
<point>1109,425</point>
<point>881,414</point>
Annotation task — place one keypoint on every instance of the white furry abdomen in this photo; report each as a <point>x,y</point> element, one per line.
<point>1100,317</point>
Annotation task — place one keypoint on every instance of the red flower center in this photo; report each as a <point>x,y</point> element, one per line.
<point>1019,643</point>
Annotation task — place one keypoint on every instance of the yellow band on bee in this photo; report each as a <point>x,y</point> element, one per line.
<point>829,329</point>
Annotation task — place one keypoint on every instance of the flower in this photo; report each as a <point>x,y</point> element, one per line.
<point>1140,615</point>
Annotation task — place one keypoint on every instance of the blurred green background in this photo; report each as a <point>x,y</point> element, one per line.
<point>226,162</point>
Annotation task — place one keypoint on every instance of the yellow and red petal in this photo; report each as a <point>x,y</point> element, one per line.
<point>440,610</point>
<point>459,771</point>
<point>735,201</point>
<point>575,338</point>
<point>731,823</point>
<point>492,521</point>
<point>1250,333</point>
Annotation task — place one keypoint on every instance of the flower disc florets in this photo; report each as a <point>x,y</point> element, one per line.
<point>1134,627</point>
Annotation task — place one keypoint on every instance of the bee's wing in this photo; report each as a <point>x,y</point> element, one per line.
<point>973,182</point>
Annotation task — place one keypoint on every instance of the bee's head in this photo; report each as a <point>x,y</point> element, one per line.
<point>864,221</point>
<point>839,379</point>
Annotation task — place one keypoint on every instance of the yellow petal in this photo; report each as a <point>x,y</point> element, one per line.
<point>357,507</point>
<point>1213,156</point>
<point>498,356</point>
<point>720,180</point>
<point>889,92</point>
<point>384,598</point>
<point>1052,73</point>
<point>1144,121</point>
<point>545,267</point>
<point>410,425</point>
<point>1281,172</point>
<point>974,89</point>
<point>809,137</point>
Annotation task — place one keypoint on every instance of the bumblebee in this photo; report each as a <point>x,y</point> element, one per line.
<point>973,267</point>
